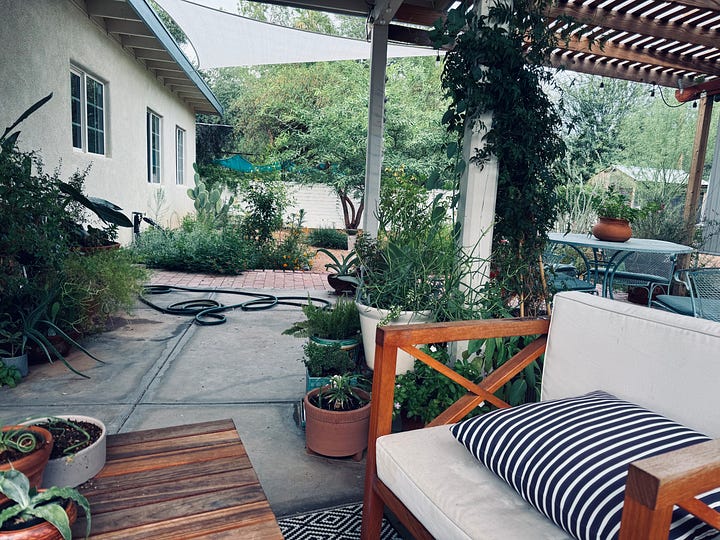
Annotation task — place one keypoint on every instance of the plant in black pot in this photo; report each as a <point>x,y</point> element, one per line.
<point>337,418</point>
<point>344,271</point>
<point>46,514</point>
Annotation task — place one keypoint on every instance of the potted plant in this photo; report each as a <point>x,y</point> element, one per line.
<point>614,217</point>
<point>12,344</point>
<point>343,271</point>
<point>333,333</point>
<point>26,449</point>
<point>9,376</point>
<point>79,449</point>
<point>46,514</point>
<point>337,419</point>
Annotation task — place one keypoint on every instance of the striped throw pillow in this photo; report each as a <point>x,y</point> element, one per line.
<point>569,458</point>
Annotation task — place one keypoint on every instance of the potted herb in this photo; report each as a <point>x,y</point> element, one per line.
<point>333,333</point>
<point>26,449</point>
<point>343,271</point>
<point>46,514</point>
<point>614,216</point>
<point>337,419</point>
<point>79,449</point>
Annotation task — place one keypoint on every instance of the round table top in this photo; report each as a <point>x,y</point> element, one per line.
<point>646,245</point>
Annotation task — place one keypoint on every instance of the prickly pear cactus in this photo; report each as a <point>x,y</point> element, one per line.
<point>209,206</point>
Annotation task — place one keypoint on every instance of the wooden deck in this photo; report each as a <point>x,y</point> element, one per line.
<point>192,481</point>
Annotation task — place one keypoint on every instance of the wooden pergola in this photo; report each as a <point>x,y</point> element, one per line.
<point>667,43</point>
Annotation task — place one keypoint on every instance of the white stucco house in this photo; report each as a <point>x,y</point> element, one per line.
<point>124,98</point>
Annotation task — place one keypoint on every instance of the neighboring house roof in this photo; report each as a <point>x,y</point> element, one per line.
<point>648,174</point>
<point>138,30</point>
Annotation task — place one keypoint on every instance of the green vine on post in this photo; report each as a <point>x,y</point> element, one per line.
<point>495,65</point>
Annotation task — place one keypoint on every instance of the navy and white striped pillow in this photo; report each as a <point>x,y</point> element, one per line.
<point>569,458</point>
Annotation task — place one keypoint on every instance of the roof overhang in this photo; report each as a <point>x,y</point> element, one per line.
<point>139,31</point>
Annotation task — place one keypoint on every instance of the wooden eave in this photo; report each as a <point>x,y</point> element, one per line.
<point>137,29</point>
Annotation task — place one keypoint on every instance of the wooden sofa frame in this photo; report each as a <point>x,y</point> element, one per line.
<point>653,487</point>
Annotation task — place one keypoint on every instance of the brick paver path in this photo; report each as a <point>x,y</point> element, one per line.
<point>253,279</point>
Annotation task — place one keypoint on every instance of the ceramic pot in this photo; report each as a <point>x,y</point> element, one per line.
<point>42,530</point>
<point>341,287</point>
<point>612,230</point>
<point>369,319</point>
<point>33,464</point>
<point>336,433</point>
<point>78,468</point>
<point>20,362</point>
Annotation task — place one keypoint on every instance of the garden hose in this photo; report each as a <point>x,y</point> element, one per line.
<point>208,312</point>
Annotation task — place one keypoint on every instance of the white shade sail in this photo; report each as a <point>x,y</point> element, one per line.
<point>223,39</point>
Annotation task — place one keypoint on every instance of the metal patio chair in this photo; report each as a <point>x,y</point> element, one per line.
<point>703,286</point>
<point>648,271</point>
<point>567,269</point>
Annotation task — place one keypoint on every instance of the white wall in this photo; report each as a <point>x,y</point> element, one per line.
<point>40,41</point>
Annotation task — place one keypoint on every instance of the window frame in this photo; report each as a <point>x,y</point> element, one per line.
<point>80,114</point>
<point>154,166</point>
<point>180,140</point>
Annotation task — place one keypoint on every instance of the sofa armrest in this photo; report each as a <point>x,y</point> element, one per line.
<point>656,484</point>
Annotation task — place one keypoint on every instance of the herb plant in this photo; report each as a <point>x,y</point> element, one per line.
<point>339,321</point>
<point>616,205</point>
<point>327,238</point>
<point>339,395</point>
<point>327,360</point>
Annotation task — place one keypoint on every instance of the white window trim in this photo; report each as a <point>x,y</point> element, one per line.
<point>180,153</point>
<point>149,115</point>
<point>83,113</point>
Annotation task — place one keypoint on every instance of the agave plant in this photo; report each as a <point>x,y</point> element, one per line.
<point>46,504</point>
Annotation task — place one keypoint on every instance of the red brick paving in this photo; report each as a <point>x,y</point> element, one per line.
<point>253,279</point>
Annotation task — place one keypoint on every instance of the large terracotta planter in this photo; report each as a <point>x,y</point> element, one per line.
<point>336,433</point>
<point>612,230</point>
<point>369,319</point>
<point>42,530</point>
<point>33,464</point>
<point>78,468</point>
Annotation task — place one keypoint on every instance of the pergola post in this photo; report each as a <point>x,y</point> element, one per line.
<point>374,157</point>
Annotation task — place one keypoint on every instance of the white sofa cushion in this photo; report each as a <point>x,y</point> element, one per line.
<point>453,495</point>
<point>664,362</point>
<point>569,458</point>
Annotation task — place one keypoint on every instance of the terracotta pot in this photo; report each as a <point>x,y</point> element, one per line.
<point>336,433</point>
<point>42,530</point>
<point>33,464</point>
<point>612,230</point>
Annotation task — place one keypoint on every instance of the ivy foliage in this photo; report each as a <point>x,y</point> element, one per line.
<point>495,66</point>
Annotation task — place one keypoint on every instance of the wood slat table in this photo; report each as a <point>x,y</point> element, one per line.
<point>193,481</point>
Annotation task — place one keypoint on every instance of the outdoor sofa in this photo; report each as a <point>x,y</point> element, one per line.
<point>650,362</point>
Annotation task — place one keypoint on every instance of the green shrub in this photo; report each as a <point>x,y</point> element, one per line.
<point>327,238</point>
<point>327,360</point>
<point>196,248</point>
<point>95,287</point>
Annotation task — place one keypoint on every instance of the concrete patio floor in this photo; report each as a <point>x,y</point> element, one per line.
<point>162,370</point>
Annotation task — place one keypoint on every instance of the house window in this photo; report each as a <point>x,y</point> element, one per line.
<point>87,108</point>
<point>180,155</point>
<point>153,147</point>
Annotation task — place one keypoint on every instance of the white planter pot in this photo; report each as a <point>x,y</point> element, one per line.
<point>76,469</point>
<point>20,362</point>
<point>369,319</point>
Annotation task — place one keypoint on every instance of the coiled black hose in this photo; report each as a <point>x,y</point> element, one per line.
<point>208,312</point>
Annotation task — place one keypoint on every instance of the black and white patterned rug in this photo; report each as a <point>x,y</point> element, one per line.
<point>339,523</point>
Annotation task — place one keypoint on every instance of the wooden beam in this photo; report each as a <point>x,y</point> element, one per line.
<point>645,26</point>
<point>144,54</point>
<point>130,28</point>
<point>172,74</point>
<point>693,92</point>
<point>178,82</point>
<point>643,56</point>
<point>111,10</point>
<point>696,167</point>
<point>407,34</point>
<point>157,64</point>
<point>384,11</point>
<point>702,4</point>
<point>142,42</point>
<point>627,71</point>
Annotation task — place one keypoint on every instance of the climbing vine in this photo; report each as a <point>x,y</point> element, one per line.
<point>495,65</point>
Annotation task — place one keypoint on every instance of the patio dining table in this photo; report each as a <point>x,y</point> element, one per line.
<point>620,251</point>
